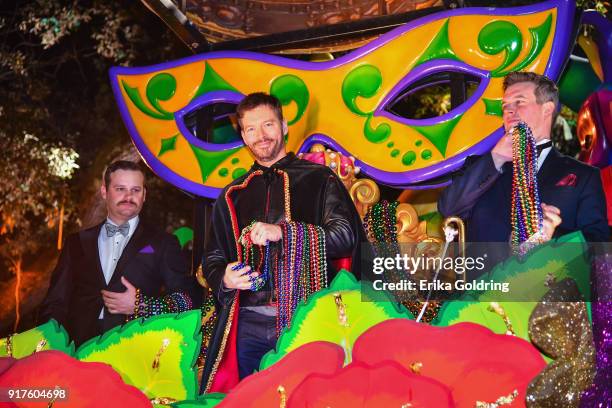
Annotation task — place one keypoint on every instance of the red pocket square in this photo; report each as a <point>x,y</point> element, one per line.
<point>569,180</point>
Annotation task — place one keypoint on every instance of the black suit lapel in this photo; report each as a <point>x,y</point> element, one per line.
<point>505,197</point>
<point>136,242</point>
<point>89,243</point>
<point>548,170</point>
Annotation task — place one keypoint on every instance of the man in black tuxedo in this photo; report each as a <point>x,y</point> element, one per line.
<point>571,192</point>
<point>103,271</point>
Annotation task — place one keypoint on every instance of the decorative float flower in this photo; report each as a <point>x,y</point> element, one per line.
<point>400,363</point>
<point>387,384</point>
<point>49,336</point>
<point>338,314</point>
<point>262,389</point>
<point>157,355</point>
<point>476,364</point>
<point>528,281</point>
<point>85,384</point>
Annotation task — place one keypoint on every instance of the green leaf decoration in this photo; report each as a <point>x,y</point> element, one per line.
<point>319,319</point>
<point>493,106</point>
<point>212,81</point>
<point>539,35</point>
<point>136,99</point>
<point>170,340</point>
<point>210,160</point>
<point>290,88</point>
<point>378,134</point>
<point>161,88</point>
<point>49,336</point>
<point>203,401</point>
<point>498,36</point>
<point>363,81</point>
<point>439,48</point>
<point>564,258</point>
<point>440,133</point>
<point>167,144</point>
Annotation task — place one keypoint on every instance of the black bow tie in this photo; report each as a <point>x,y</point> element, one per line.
<point>112,229</point>
<point>543,146</point>
<point>507,167</point>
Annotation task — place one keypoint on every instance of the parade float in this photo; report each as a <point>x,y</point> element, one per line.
<point>346,346</point>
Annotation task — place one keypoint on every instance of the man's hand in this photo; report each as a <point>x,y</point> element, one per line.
<point>552,218</point>
<point>262,233</point>
<point>239,278</point>
<point>120,302</point>
<point>502,152</point>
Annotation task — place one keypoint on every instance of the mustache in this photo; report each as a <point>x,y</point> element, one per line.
<point>126,202</point>
<point>265,141</point>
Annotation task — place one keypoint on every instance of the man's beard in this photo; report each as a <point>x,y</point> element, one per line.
<point>271,152</point>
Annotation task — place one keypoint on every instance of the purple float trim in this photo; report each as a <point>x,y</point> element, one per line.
<point>599,394</point>
<point>558,55</point>
<point>561,47</point>
<point>204,100</point>
<point>406,178</point>
<point>423,70</point>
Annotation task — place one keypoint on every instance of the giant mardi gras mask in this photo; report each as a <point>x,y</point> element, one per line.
<point>342,103</point>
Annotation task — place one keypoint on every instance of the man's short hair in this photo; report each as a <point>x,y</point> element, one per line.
<point>121,165</point>
<point>257,99</point>
<point>545,89</point>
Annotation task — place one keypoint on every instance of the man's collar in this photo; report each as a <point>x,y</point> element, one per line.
<point>280,164</point>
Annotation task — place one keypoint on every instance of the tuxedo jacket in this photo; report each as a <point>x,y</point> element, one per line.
<point>151,261</point>
<point>481,196</point>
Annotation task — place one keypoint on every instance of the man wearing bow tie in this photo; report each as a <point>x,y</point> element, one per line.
<point>571,192</point>
<point>116,270</point>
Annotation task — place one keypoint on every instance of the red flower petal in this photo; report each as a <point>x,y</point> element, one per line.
<point>6,363</point>
<point>487,382</point>
<point>260,389</point>
<point>475,363</point>
<point>87,384</point>
<point>358,385</point>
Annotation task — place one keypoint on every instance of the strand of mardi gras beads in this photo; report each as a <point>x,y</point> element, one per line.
<point>148,306</point>
<point>249,258</point>
<point>380,226</point>
<point>526,211</point>
<point>301,270</point>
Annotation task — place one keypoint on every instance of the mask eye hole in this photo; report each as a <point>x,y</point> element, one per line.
<point>209,121</point>
<point>430,96</point>
<point>215,123</point>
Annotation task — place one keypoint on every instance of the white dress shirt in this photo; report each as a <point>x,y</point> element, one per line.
<point>543,154</point>
<point>111,248</point>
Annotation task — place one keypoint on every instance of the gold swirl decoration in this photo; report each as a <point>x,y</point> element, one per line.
<point>409,228</point>
<point>365,193</point>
